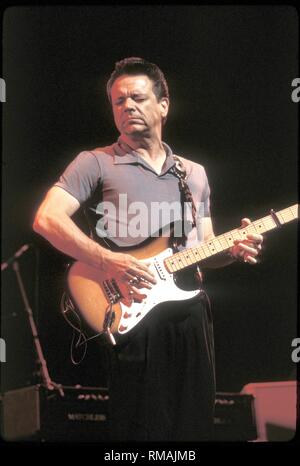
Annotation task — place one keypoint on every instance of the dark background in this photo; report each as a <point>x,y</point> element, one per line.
<point>229,71</point>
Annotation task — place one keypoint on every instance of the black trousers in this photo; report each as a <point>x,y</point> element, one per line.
<point>162,381</point>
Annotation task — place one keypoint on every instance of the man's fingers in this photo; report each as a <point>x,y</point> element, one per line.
<point>135,279</point>
<point>250,259</point>
<point>248,249</point>
<point>137,295</point>
<point>138,272</point>
<point>144,272</point>
<point>144,284</point>
<point>255,237</point>
<point>244,222</point>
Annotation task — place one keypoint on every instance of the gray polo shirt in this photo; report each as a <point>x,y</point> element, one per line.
<point>126,201</point>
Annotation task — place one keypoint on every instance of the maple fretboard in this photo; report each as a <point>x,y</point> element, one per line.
<point>192,256</point>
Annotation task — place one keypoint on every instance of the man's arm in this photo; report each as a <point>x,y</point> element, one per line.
<point>245,250</point>
<point>53,222</point>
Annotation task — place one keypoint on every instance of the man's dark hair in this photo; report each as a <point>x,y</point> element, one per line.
<point>134,66</point>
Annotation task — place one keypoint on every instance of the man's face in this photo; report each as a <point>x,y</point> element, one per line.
<point>135,106</point>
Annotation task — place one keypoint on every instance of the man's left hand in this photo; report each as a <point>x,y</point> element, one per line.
<point>248,249</point>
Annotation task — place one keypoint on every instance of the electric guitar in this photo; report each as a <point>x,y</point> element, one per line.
<point>95,297</point>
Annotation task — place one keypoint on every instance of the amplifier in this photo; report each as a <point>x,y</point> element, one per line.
<point>36,413</point>
<point>275,409</point>
<point>234,417</point>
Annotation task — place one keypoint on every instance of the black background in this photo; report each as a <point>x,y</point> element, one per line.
<point>229,71</point>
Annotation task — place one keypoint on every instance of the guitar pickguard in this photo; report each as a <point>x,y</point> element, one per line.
<point>165,289</point>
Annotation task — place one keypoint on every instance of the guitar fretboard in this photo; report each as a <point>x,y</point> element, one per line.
<point>221,243</point>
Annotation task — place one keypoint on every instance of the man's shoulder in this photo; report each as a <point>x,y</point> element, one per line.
<point>103,151</point>
<point>92,158</point>
<point>103,156</point>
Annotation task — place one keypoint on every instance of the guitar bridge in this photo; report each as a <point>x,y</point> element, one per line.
<point>112,291</point>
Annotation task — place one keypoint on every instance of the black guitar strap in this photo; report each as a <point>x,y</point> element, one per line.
<point>186,197</point>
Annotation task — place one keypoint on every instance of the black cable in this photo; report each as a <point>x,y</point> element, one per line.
<point>36,298</point>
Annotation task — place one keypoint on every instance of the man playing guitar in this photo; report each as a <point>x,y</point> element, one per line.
<point>161,379</point>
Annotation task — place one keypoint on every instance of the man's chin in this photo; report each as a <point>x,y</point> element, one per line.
<point>135,131</point>
<point>133,126</point>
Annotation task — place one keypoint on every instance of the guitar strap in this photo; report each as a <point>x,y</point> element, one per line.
<point>186,197</point>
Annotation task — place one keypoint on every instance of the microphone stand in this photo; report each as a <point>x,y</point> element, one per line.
<point>15,256</point>
<point>50,385</point>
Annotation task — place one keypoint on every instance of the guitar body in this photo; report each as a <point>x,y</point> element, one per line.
<point>93,292</point>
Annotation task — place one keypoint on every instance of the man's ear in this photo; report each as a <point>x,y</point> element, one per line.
<point>164,104</point>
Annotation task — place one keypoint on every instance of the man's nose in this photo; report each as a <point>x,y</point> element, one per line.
<point>129,105</point>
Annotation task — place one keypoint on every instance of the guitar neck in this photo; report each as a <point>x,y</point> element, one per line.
<point>221,243</point>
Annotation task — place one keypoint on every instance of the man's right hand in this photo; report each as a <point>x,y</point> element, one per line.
<point>130,273</point>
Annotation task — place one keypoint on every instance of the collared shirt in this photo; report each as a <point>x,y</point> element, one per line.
<point>125,200</point>
<point>123,154</point>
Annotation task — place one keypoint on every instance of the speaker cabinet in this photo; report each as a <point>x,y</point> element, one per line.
<point>234,417</point>
<point>35,413</point>
<point>275,405</point>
